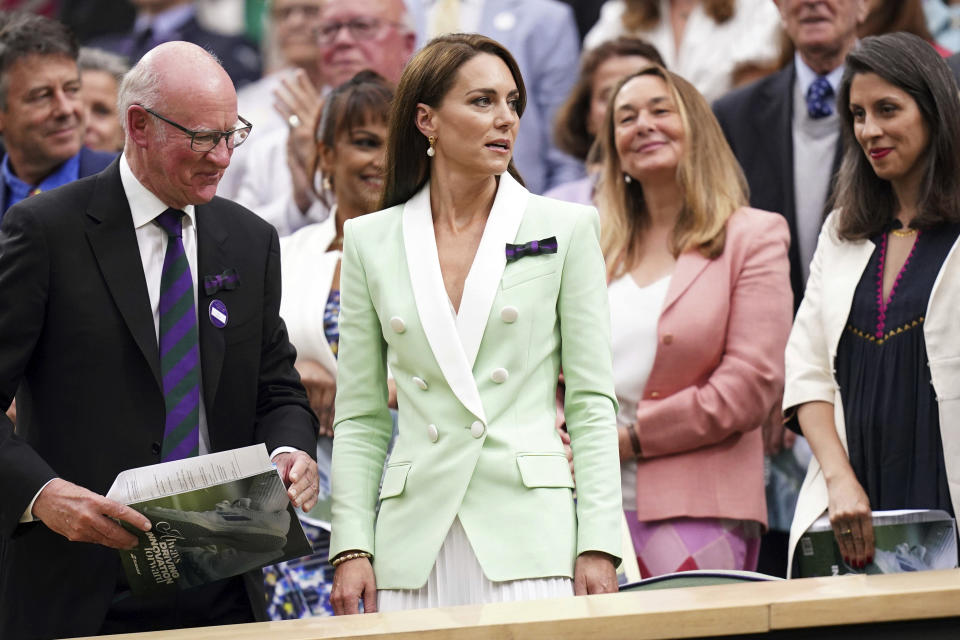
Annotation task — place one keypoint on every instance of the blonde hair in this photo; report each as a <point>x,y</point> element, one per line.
<point>710,179</point>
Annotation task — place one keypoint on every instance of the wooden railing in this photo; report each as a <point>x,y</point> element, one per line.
<point>755,608</point>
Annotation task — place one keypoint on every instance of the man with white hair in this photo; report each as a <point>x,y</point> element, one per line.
<point>105,349</point>
<point>353,36</point>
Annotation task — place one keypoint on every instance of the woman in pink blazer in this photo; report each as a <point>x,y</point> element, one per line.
<point>701,309</point>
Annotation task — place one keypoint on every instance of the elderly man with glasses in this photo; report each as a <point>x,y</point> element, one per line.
<point>273,179</point>
<point>126,349</point>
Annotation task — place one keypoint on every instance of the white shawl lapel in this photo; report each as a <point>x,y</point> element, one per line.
<point>433,304</point>
<point>456,341</point>
<point>483,280</point>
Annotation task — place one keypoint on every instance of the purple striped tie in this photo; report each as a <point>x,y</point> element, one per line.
<point>179,347</point>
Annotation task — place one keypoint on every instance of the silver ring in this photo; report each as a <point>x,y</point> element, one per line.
<point>294,121</point>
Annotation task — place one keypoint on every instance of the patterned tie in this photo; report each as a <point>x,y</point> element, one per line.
<point>818,98</point>
<point>179,348</point>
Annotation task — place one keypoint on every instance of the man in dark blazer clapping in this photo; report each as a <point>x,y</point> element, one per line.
<point>140,323</point>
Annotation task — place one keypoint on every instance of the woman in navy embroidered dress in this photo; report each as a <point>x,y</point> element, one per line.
<point>898,219</point>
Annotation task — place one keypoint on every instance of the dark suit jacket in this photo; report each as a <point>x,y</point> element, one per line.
<point>758,123</point>
<point>77,337</point>
<point>239,57</point>
<point>92,162</point>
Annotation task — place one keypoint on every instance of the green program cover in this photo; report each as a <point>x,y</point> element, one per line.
<point>212,533</point>
<point>907,540</point>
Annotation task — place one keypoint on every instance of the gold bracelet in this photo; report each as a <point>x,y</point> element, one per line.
<point>344,557</point>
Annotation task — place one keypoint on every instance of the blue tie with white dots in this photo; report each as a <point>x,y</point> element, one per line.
<point>818,98</point>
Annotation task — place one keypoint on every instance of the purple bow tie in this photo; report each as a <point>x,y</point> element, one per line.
<point>227,281</point>
<point>532,248</point>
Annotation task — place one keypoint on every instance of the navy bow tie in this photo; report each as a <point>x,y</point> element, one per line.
<point>532,248</point>
<point>227,281</point>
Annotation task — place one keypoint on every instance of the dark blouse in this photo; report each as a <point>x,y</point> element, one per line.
<point>889,404</point>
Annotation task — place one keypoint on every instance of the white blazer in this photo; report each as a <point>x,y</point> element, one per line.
<point>306,275</point>
<point>810,373</point>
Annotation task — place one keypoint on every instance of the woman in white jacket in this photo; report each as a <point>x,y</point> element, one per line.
<point>351,146</point>
<point>873,361</point>
<point>352,135</point>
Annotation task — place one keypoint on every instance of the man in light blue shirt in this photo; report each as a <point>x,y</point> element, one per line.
<point>41,110</point>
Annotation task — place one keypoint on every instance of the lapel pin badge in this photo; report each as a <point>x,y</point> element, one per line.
<point>218,314</point>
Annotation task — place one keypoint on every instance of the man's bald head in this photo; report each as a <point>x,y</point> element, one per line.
<point>173,72</point>
<point>175,91</point>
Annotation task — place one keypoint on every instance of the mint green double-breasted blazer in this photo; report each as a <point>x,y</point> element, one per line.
<point>476,394</point>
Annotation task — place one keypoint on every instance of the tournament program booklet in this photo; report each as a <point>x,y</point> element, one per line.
<point>905,540</point>
<point>213,517</point>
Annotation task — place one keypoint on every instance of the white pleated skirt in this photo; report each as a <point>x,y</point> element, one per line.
<point>457,579</point>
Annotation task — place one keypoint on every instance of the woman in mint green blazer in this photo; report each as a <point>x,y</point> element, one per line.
<point>475,293</point>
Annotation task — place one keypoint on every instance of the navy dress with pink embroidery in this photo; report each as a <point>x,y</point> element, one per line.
<point>889,404</point>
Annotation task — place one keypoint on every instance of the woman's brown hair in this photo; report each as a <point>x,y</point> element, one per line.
<point>426,79</point>
<point>640,15</point>
<point>570,126</point>
<point>867,202</point>
<point>710,179</point>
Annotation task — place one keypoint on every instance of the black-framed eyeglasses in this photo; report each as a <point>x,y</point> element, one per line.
<point>203,141</point>
<point>359,28</point>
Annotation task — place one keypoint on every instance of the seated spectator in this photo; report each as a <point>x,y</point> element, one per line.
<point>705,41</point>
<point>891,16</point>
<point>354,35</point>
<point>871,365</point>
<point>167,20</point>
<point>41,109</point>
<point>352,136</point>
<point>581,116</point>
<point>700,307</point>
<point>293,35</point>
<point>100,74</point>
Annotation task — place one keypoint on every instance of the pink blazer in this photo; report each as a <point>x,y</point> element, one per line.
<point>716,377</point>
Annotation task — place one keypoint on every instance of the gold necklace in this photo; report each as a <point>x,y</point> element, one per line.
<point>903,233</point>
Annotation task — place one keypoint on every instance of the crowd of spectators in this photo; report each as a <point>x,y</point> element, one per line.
<point>715,138</point>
